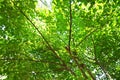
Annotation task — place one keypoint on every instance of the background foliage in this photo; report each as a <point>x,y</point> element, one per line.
<point>38,44</point>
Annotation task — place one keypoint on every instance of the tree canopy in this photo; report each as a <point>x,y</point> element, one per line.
<point>60,39</point>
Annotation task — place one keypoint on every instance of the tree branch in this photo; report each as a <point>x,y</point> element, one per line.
<point>70,31</point>
<point>45,40</point>
<point>38,31</point>
<point>91,32</point>
<point>104,70</point>
<point>98,63</point>
<point>31,60</point>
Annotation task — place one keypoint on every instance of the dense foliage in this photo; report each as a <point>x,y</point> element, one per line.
<point>75,40</point>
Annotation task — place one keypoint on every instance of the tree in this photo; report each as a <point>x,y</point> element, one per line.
<point>75,40</point>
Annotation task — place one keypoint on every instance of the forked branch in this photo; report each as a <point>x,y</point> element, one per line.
<point>51,48</point>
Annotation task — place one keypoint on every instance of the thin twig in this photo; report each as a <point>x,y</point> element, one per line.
<point>91,32</point>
